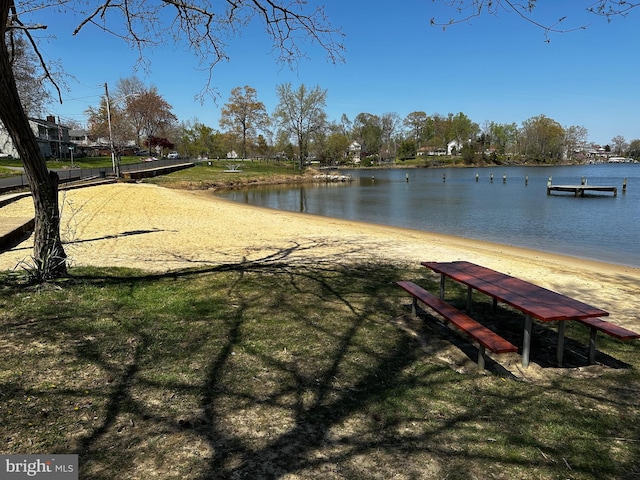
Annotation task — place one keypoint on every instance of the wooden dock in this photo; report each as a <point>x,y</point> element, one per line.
<point>581,189</point>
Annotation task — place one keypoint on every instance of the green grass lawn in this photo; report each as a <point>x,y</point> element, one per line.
<point>7,172</point>
<point>82,162</point>
<point>214,174</point>
<point>278,371</point>
<point>205,174</point>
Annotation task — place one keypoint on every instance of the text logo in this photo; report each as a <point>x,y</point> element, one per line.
<point>46,467</point>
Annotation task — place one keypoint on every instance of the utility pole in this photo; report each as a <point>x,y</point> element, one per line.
<point>115,166</point>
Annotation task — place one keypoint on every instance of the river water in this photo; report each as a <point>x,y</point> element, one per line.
<point>513,208</point>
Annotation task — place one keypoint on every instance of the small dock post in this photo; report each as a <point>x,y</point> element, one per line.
<point>624,186</point>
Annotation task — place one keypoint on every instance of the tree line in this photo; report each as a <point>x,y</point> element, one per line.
<point>299,129</point>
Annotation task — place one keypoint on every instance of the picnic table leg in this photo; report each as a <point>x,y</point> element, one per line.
<point>592,346</point>
<point>494,306</point>
<point>469,299</point>
<point>560,349</point>
<point>442,278</point>
<point>526,341</point>
<point>481,358</point>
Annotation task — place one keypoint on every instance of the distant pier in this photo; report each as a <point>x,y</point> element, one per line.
<point>580,189</point>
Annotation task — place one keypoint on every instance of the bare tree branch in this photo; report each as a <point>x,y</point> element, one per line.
<point>470,9</point>
<point>15,23</point>
<point>204,27</point>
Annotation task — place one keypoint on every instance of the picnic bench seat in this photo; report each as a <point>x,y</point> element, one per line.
<point>598,325</point>
<point>486,338</point>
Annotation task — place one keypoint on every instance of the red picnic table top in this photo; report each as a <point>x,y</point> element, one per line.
<point>539,302</point>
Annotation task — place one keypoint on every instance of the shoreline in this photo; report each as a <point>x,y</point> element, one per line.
<point>454,240</point>
<point>570,230</point>
<point>524,248</point>
<point>159,229</point>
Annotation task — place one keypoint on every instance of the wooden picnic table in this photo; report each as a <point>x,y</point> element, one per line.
<point>534,301</point>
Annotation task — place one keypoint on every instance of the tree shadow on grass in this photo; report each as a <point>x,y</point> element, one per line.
<point>271,369</point>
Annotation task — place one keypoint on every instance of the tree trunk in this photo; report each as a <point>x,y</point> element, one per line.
<point>48,254</point>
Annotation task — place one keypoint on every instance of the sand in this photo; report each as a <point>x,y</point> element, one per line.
<point>158,229</point>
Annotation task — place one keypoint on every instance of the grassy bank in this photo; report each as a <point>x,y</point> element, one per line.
<point>278,371</point>
<point>215,174</point>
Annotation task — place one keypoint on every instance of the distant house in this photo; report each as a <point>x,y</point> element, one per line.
<point>53,138</point>
<point>79,137</point>
<point>355,149</point>
<point>92,146</point>
<point>89,146</point>
<point>431,151</point>
<point>454,147</point>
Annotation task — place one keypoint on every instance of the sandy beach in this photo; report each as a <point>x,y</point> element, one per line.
<point>158,229</point>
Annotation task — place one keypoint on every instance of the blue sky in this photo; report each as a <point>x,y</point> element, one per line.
<point>495,68</point>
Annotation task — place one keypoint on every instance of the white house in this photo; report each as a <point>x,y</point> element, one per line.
<point>454,145</point>
<point>354,151</point>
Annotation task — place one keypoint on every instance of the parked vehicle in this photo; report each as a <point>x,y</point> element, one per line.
<point>173,155</point>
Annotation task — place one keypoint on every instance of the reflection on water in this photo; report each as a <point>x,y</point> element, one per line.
<point>512,208</point>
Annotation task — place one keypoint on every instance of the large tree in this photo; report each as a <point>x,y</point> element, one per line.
<point>301,114</point>
<point>461,128</point>
<point>151,114</point>
<point>49,254</point>
<point>367,128</point>
<point>390,123</point>
<point>244,115</point>
<point>202,141</point>
<point>416,122</point>
<point>203,25</point>
<point>634,149</point>
<point>543,138</point>
<point>619,144</point>
<point>575,137</point>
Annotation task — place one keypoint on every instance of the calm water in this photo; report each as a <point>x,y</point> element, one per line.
<point>515,212</point>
